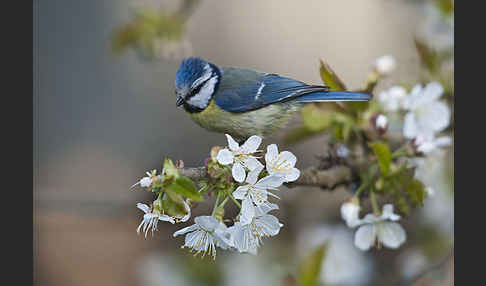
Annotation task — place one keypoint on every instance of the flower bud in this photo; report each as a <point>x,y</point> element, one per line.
<point>385,64</point>
<point>145,182</point>
<point>380,123</point>
<point>350,212</point>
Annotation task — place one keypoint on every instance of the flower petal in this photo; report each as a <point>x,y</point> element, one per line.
<point>271,182</point>
<point>247,211</point>
<point>443,141</point>
<point>251,145</point>
<point>365,237</point>
<point>253,176</point>
<point>431,92</point>
<point>243,240</point>
<point>267,225</point>
<point>167,218</point>
<point>388,213</point>
<point>241,192</point>
<point>350,213</point>
<point>265,208</point>
<point>289,158</point>
<point>252,163</point>
<point>224,157</point>
<point>434,117</point>
<point>143,207</point>
<point>410,129</point>
<point>223,237</point>
<point>208,223</point>
<point>272,153</point>
<point>238,172</point>
<point>186,230</point>
<point>293,175</point>
<point>391,234</point>
<point>232,143</point>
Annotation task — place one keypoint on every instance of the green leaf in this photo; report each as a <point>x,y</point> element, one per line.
<point>384,156</point>
<point>416,192</point>
<point>310,269</point>
<point>173,204</point>
<point>330,78</point>
<point>185,186</point>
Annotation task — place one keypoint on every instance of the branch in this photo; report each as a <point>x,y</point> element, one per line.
<point>327,179</point>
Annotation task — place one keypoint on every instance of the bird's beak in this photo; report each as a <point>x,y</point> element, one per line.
<point>180,101</point>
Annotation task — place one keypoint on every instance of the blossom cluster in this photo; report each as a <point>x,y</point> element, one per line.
<point>255,184</point>
<point>425,115</point>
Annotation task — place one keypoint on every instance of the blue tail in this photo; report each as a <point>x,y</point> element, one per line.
<point>334,96</point>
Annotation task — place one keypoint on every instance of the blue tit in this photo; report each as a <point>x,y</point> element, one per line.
<point>243,102</point>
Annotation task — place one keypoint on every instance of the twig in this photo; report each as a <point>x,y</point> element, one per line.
<point>327,179</point>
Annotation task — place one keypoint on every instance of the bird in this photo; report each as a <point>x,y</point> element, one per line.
<point>243,102</point>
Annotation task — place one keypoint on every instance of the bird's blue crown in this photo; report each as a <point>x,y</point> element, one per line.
<point>189,71</point>
<point>195,84</point>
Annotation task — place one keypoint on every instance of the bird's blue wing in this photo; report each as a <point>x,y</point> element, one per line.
<point>243,90</point>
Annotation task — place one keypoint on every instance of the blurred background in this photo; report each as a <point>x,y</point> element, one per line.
<point>105,113</point>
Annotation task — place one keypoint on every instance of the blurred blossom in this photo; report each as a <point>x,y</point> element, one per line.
<point>393,98</point>
<point>342,151</point>
<point>439,208</point>
<point>381,121</point>
<point>411,263</point>
<point>161,270</point>
<point>343,263</point>
<point>382,229</point>
<point>427,115</point>
<point>385,64</point>
<point>430,191</point>
<point>244,270</point>
<point>437,29</point>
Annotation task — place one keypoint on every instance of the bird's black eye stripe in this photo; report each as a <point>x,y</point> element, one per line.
<point>196,90</point>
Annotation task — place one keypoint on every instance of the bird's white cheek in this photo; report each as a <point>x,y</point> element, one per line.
<point>202,99</point>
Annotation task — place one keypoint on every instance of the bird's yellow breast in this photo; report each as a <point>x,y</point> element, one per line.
<point>262,122</point>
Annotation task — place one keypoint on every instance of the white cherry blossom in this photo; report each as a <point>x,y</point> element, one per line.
<point>281,163</point>
<point>255,193</point>
<point>248,237</point>
<point>383,228</point>
<point>151,218</point>
<point>204,235</point>
<point>427,115</point>
<point>240,156</point>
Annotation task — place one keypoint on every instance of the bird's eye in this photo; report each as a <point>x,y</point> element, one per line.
<point>197,89</point>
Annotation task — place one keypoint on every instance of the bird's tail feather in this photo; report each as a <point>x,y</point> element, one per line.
<point>334,96</point>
